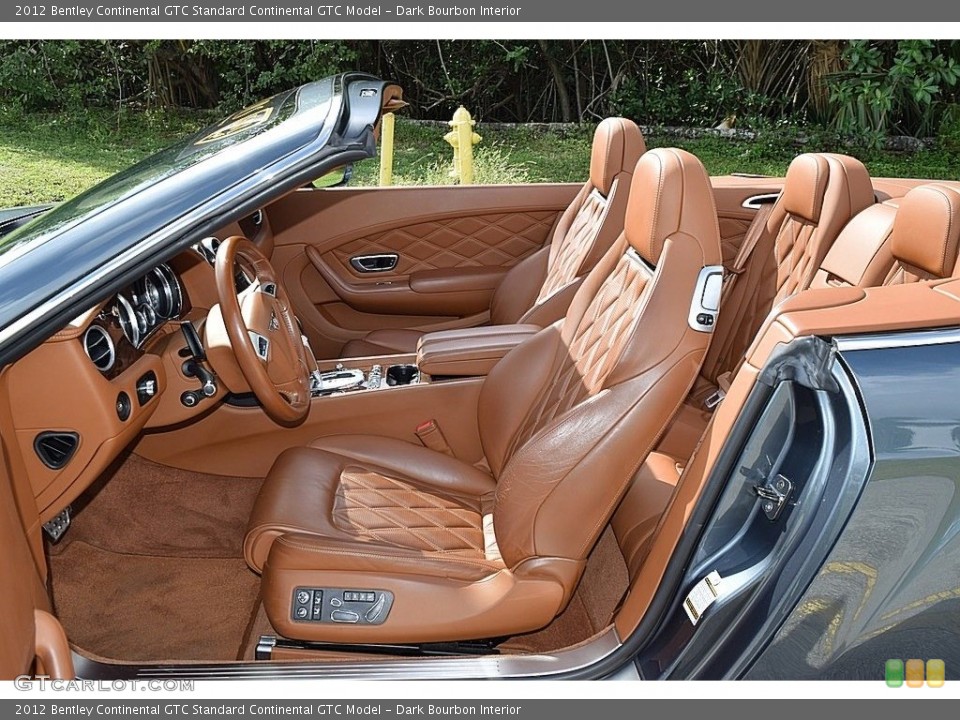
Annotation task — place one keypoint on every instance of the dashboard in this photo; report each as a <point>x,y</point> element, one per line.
<point>125,366</point>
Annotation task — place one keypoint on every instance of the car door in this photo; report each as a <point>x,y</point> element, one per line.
<point>360,259</point>
<point>31,639</point>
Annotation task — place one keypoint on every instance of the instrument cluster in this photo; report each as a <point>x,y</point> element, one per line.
<point>151,301</point>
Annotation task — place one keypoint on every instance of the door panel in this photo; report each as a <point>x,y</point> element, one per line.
<point>434,255</point>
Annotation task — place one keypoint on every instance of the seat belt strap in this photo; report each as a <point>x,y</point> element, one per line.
<point>432,437</point>
<point>750,240</point>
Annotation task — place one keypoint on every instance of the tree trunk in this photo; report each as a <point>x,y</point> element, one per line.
<point>563,97</point>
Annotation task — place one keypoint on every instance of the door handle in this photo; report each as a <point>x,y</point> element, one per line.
<point>382,262</point>
<point>754,202</point>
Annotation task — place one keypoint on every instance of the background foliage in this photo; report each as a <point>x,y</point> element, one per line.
<point>863,89</point>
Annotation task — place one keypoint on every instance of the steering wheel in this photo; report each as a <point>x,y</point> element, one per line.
<point>263,332</point>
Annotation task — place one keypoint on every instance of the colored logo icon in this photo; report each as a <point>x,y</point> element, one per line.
<point>896,672</point>
<point>893,672</point>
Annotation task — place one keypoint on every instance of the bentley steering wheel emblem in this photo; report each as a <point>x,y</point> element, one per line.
<point>274,324</point>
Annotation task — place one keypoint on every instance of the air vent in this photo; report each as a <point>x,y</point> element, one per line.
<point>207,248</point>
<point>99,347</point>
<point>56,448</point>
<point>251,224</point>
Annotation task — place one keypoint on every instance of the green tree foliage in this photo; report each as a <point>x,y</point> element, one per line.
<point>864,89</point>
<point>906,87</point>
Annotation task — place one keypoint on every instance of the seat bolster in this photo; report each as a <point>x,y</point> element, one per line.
<point>291,500</point>
<point>436,597</point>
<point>405,460</point>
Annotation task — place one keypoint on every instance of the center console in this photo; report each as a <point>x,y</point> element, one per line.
<point>380,374</point>
<point>471,352</point>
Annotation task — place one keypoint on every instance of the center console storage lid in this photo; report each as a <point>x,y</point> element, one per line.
<point>471,351</point>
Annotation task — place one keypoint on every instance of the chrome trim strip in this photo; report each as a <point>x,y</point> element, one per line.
<point>423,668</point>
<point>755,201</point>
<point>908,338</point>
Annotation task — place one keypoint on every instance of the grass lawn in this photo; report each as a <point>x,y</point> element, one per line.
<point>47,158</point>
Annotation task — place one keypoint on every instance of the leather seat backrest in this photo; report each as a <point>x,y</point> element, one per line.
<point>539,289</point>
<point>568,416</point>
<point>861,256</point>
<point>926,235</point>
<point>901,240</point>
<point>821,193</point>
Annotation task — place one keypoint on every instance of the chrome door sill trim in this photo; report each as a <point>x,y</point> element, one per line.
<point>483,668</point>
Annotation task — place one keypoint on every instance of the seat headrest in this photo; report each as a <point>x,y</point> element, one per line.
<point>809,175</point>
<point>671,193</point>
<point>926,232</point>
<point>617,145</point>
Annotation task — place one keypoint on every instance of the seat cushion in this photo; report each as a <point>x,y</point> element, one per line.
<point>354,489</point>
<point>386,516</point>
<point>383,342</point>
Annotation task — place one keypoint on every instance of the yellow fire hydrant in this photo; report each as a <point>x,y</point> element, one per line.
<point>462,138</point>
<point>386,148</point>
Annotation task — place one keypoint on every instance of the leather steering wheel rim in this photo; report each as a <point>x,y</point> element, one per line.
<point>263,332</point>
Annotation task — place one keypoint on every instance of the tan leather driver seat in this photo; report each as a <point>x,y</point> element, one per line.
<point>539,290</point>
<point>442,550</point>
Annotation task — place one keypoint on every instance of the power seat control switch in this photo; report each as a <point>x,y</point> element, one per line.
<point>342,606</point>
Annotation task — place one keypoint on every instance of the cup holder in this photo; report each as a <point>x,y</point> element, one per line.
<point>402,374</point>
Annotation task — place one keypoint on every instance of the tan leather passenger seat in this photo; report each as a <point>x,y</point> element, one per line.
<point>908,239</point>
<point>821,193</point>
<point>565,421</point>
<point>539,289</point>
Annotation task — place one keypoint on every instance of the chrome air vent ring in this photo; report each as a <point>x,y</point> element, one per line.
<point>99,347</point>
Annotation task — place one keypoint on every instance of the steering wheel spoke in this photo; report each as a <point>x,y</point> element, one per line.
<point>266,340</point>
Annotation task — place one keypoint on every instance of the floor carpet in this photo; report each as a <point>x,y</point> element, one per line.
<point>152,567</point>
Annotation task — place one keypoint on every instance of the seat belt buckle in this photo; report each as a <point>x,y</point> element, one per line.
<point>714,399</point>
<point>432,437</point>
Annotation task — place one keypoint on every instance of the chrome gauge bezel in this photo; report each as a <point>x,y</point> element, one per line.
<point>147,304</point>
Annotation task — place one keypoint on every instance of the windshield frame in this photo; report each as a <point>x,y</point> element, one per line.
<point>55,275</point>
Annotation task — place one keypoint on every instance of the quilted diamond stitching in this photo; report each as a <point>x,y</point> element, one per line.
<point>593,352</point>
<point>396,513</point>
<point>574,246</point>
<point>795,256</point>
<point>498,240</point>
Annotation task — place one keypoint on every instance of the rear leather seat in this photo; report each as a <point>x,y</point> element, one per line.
<point>539,290</point>
<point>902,240</point>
